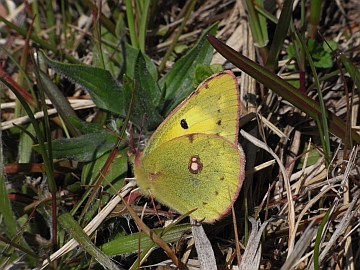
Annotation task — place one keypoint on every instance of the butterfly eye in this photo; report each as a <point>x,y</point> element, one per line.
<point>184,124</point>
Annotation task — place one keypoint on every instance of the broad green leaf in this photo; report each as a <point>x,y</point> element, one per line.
<point>204,71</point>
<point>333,46</point>
<point>178,81</point>
<point>86,127</point>
<point>105,91</point>
<point>83,148</point>
<point>130,62</point>
<point>147,96</point>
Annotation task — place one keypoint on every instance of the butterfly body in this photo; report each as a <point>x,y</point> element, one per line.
<point>193,161</point>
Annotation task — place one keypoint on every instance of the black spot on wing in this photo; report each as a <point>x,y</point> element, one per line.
<point>184,124</point>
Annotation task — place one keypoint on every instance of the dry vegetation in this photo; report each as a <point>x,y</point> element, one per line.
<point>304,189</point>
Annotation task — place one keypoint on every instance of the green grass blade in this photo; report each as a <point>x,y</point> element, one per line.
<point>281,31</point>
<point>73,228</point>
<point>325,139</point>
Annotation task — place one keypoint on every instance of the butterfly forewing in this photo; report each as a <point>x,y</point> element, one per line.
<point>214,108</point>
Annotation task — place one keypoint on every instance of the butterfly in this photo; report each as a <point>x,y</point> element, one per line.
<point>193,160</point>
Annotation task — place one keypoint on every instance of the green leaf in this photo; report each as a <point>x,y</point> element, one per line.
<point>204,71</point>
<point>131,60</point>
<point>129,243</point>
<point>178,81</point>
<point>320,53</point>
<point>60,102</point>
<point>312,158</point>
<point>311,44</point>
<point>73,228</point>
<point>83,148</point>
<point>86,127</point>
<point>105,91</point>
<point>290,51</point>
<point>180,48</point>
<point>333,46</point>
<point>147,96</point>
<point>324,62</point>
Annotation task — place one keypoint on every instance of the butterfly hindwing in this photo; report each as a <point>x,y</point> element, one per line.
<point>185,174</point>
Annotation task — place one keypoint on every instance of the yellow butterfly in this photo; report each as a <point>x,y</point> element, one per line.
<point>193,160</point>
